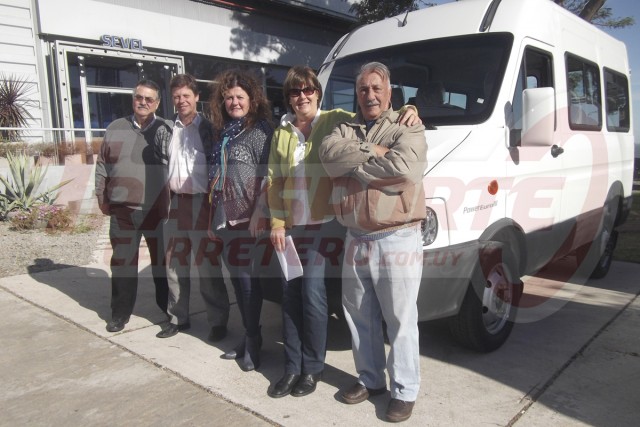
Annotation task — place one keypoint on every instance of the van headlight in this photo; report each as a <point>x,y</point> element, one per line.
<point>429,227</point>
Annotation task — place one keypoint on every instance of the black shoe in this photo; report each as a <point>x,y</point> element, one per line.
<point>236,353</point>
<point>306,384</point>
<point>117,324</point>
<point>170,330</point>
<point>359,393</point>
<point>217,333</point>
<point>284,386</point>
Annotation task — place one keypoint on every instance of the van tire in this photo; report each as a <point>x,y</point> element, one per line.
<point>604,263</point>
<point>607,240</point>
<point>489,307</point>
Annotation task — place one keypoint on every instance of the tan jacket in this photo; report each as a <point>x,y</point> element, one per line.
<point>370,193</point>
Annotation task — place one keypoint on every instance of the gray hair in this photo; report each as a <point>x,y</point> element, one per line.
<point>375,67</point>
<point>148,84</point>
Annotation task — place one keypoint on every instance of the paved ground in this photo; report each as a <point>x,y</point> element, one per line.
<point>573,359</point>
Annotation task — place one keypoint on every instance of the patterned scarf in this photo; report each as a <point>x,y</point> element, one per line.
<point>217,173</point>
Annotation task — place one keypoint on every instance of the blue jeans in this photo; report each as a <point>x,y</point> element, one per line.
<point>381,279</point>
<point>304,299</point>
<point>239,255</point>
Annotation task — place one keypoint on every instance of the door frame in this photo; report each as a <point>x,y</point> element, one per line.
<point>62,91</point>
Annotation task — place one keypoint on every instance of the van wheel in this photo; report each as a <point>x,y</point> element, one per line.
<point>603,247</point>
<point>487,314</point>
<point>604,263</point>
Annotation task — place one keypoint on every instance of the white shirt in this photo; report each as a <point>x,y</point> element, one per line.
<point>188,170</point>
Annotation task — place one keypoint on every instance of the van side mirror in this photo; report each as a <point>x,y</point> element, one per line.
<point>538,116</point>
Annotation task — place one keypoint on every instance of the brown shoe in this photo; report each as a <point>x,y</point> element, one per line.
<point>399,410</point>
<point>359,393</point>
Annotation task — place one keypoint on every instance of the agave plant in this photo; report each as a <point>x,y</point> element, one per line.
<point>21,188</point>
<point>14,100</point>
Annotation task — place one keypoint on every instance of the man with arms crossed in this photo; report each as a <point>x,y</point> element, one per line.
<point>377,166</point>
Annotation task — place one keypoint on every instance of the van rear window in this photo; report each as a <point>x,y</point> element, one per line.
<point>616,93</point>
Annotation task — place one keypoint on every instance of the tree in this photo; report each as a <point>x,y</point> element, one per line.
<point>368,11</point>
<point>593,11</point>
<point>14,105</point>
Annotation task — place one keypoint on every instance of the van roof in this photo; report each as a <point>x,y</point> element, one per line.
<point>540,19</point>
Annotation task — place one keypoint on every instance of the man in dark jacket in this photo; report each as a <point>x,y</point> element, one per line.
<point>129,182</point>
<point>188,245</point>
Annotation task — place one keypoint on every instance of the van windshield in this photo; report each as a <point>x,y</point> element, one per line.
<point>451,81</point>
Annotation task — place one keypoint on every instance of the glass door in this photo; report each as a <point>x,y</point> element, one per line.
<point>95,86</point>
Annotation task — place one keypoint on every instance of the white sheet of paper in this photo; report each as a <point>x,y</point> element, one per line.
<point>289,260</point>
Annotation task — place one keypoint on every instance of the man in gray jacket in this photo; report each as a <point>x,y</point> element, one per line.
<point>376,166</point>
<point>129,182</point>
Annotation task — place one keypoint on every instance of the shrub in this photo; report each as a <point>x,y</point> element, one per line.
<point>15,102</point>
<point>52,217</point>
<point>23,220</point>
<point>21,189</point>
<point>46,149</point>
<point>7,148</point>
<point>57,217</point>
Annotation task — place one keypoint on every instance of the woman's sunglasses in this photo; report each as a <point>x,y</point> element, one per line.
<point>308,91</point>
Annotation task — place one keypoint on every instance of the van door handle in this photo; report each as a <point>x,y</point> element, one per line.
<point>556,151</point>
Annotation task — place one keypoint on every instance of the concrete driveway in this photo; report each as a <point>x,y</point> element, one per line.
<point>572,359</point>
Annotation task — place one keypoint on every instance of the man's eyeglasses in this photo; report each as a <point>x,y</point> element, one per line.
<point>308,91</point>
<point>146,99</point>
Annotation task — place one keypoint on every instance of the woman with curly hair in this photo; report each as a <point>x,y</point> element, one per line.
<point>242,134</point>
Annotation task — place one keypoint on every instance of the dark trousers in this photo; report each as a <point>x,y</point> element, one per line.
<point>304,299</point>
<point>239,255</point>
<point>126,228</point>
<point>192,257</point>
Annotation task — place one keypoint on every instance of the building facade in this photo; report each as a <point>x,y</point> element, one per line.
<point>82,58</point>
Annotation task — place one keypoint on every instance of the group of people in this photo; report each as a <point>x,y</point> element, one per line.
<point>196,188</point>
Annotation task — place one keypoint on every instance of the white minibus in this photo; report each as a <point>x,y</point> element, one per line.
<point>530,147</point>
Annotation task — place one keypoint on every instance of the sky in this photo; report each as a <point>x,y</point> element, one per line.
<point>631,37</point>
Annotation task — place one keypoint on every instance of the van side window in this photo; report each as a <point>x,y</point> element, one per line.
<point>536,70</point>
<point>616,93</point>
<point>583,84</point>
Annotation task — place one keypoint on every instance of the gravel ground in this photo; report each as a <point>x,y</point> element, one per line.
<point>32,251</point>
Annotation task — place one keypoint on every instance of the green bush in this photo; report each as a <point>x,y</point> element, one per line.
<point>15,102</point>
<point>20,190</point>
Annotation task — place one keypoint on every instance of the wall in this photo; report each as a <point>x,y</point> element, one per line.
<point>18,51</point>
<point>189,26</point>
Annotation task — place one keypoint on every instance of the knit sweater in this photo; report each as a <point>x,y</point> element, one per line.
<point>246,167</point>
<point>129,170</point>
